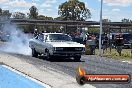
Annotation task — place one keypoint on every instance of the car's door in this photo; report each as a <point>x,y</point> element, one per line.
<point>47,44</point>
<point>41,46</point>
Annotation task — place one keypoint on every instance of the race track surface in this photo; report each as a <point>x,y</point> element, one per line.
<point>92,64</point>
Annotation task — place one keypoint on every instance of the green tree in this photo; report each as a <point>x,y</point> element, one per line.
<point>45,28</point>
<point>125,20</point>
<point>6,14</point>
<point>41,17</point>
<point>106,28</point>
<point>74,10</point>
<point>106,20</point>
<point>58,18</point>
<point>18,15</point>
<point>48,18</point>
<point>33,13</point>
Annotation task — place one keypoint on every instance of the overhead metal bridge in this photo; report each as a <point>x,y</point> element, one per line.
<point>90,24</point>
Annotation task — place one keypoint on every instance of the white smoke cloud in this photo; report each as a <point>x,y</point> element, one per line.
<point>18,41</point>
<point>4,1</point>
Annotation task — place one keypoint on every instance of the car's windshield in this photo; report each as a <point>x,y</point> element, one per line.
<point>59,37</point>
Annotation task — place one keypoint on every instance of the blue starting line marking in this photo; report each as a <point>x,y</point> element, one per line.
<point>11,79</point>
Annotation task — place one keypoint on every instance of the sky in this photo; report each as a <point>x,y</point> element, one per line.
<point>115,10</point>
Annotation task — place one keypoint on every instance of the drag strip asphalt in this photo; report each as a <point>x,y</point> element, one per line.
<point>92,64</point>
<point>45,74</point>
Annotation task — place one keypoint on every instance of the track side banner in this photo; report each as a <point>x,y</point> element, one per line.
<point>83,78</point>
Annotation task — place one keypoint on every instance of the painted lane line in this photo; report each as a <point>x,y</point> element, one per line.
<point>26,76</point>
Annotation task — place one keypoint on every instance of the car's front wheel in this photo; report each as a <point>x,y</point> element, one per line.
<point>34,53</point>
<point>77,58</point>
<point>47,54</point>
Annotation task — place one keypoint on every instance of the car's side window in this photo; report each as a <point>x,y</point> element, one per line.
<point>41,37</point>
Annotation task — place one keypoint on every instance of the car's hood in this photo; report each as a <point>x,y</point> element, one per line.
<point>66,44</point>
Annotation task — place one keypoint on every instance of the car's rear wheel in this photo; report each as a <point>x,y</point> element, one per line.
<point>34,53</point>
<point>77,58</point>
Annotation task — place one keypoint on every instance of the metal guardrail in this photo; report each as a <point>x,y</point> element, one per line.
<point>56,22</point>
<point>70,22</point>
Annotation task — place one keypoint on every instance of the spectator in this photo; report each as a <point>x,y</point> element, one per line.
<point>105,43</point>
<point>119,43</point>
<point>92,43</point>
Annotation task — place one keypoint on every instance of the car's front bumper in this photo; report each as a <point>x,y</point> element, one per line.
<point>67,54</point>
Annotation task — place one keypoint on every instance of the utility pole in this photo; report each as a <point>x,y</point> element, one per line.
<point>100,45</point>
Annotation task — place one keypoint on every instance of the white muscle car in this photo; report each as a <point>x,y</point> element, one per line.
<point>56,44</point>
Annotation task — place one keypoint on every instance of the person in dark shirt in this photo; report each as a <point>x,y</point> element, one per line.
<point>92,43</point>
<point>105,43</point>
<point>119,43</point>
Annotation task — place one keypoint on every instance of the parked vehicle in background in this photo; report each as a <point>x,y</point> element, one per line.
<point>127,38</point>
<point>56,45</point>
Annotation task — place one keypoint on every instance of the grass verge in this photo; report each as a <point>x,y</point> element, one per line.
<point>126,54</point>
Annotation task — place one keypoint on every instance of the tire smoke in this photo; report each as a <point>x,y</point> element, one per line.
<point>18,41</point>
